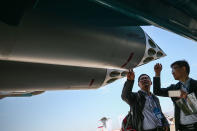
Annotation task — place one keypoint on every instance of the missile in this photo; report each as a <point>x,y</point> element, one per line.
<point>50,39</point>
<point>25,78</point>
<point>19,93</point>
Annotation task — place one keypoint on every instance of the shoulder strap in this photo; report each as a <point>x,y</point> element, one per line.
<point>128,120</point>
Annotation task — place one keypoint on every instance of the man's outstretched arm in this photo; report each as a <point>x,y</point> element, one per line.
<point>157,90</point>
<point>127,95</point>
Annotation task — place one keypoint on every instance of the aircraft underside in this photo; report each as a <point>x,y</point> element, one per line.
<point>56,45</point>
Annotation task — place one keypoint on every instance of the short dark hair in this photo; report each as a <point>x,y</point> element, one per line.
<point>142,75</point>
<point>182,63</point>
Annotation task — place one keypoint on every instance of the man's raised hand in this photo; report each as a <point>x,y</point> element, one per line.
<point>157,69</point>
<point>131,75</point>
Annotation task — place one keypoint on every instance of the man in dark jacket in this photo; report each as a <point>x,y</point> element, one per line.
<point>185,86</point>
<point>144,106</point>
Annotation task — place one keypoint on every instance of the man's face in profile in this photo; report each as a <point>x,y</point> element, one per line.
<point>177,71</point>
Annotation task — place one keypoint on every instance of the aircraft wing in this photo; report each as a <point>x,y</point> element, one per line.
<point>178,16</point>
<point>60,45</point>
<point>4,94</point>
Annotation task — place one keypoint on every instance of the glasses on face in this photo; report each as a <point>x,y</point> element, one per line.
<point>144,78</point>
<point>175,68</point>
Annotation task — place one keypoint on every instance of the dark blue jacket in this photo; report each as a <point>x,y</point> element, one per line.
<point>164,92</point>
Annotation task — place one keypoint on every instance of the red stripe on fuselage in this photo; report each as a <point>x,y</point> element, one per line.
<point>128,60</point>
<point>91,82</point>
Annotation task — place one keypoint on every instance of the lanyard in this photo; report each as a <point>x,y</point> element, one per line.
<point>154,107</point>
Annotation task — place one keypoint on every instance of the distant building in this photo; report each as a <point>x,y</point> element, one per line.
<point>104,124</point>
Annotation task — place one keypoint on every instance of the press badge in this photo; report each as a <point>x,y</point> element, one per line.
<point>157,113</point>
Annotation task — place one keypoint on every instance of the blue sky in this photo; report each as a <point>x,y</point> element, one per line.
<point>80,110</point>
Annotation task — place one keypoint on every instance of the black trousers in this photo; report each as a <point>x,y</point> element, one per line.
<point>189,127</point>
<point>157,129</point>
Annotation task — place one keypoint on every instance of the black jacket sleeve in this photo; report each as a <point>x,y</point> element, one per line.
<point>193,87</point>
<point>157,90</point>
<point>127,95</point>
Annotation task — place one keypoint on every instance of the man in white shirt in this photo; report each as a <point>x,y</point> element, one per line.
<point>186,85</point>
